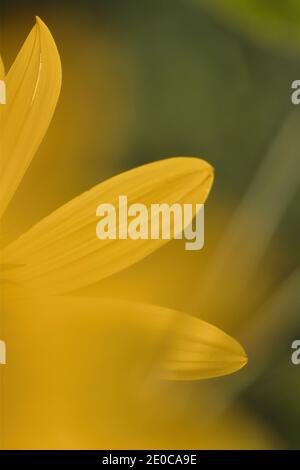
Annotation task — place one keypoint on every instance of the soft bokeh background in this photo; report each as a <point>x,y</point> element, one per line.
<point>143,80</point>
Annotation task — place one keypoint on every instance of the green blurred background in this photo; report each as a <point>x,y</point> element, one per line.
<point>147,79</point>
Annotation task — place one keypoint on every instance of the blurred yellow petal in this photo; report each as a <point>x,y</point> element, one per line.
<point>91,366</point>
<point>62,252</point>
<point>32,89</point>
<point>201,351</point>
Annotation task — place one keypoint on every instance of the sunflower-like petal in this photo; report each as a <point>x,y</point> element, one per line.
<point>62,252</point>
<point>199,350</point>
<point>32,89</point>
<point>123,341</point>
<point>2,71</point>
<point>94,365</point>
<point>151,339</point>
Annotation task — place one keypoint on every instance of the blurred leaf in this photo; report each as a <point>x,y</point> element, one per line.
<point>277,21</point>
<point>202,89</point>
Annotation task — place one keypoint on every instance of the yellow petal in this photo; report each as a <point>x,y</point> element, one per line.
<point>92,367</point>
<point>2,71</point>
<point>111,344</point>
<point>32,89</point>
<point>62,252</point>
<point>201,351</point>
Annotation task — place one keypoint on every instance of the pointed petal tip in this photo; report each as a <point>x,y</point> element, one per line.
<point>196,163</point>
<point>202,351</point>
<point>244,360</point>
<point>41,25</point>
<point>241,361</point>
<point>242,357</point>
<point>177,373</point>
<point>198,167</point>
<point>201,166</point>
<point>39,21</point>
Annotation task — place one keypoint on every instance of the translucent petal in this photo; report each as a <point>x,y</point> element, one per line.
<point>62,252</point>
<point>32,89</point>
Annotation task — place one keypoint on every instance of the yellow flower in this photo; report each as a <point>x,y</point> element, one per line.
<point>127,346</point>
